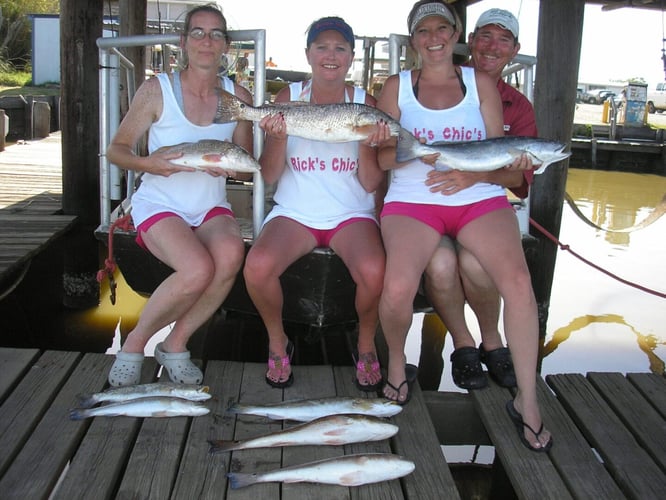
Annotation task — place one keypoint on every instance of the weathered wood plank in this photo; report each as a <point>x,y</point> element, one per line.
<point>532,474</point>
<point>572,455</point>
<point>387,490</point>
<point>255,390</point>
<point>653,388</point>
<point>637,414</point>
<point>39,464</point>
<point>631,467</point>
<point>102,455</point>
<point>432,477</point>
<point>13,364</point>
<point>201,474</point>
<point>27,404</point>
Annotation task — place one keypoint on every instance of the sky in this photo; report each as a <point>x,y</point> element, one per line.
<point>630,38</point>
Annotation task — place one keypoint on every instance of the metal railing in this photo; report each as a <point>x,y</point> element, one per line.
<point>110,63</point>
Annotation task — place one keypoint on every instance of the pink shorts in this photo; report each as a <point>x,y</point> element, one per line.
<point>445,219</point>
<point>150,221</point>
<point>323,237</point>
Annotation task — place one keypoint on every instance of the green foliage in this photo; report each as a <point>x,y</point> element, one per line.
<point>14,78</point>
<point>15,28</point>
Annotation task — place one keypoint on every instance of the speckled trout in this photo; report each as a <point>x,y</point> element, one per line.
<point>344,122</point>
<point>349,470</point>
<point>305,410</point>
<point>483,156</point>
<point>144,407</point>
<point>333,430</point>
<point>212,153</point>
<point>129,392</point>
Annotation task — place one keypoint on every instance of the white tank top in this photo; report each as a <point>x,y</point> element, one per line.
<point>191,195</point>
<point>319,187</point>
<point>462,122</point>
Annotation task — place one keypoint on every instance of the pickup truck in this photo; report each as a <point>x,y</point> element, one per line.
<point>656,99</point>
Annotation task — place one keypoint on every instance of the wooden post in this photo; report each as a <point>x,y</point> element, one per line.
<point>80,26</point>
<point>132,16</point>
<point>3,132</point>
<point>558,55</point>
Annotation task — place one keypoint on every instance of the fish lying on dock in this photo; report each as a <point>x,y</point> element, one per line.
<point>129,392</point>
<point>482,156</point>
<point>144,407</point>
<point>349,470</point>
<point>212,153</point>
<point>332,430</point>
<point>343,122</point>
<point>305,410</point>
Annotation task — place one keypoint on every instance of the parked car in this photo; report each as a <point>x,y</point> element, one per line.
<point>656,99</point>
<point>597,96</point>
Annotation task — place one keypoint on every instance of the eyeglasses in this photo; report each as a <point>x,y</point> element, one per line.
<point>215,35</point>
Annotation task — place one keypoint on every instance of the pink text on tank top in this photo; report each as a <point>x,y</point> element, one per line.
<point>450,134</point>
<point>310,164</point>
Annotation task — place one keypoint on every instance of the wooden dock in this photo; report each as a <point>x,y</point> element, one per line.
<point>30,201</point>
<point>610,436</point>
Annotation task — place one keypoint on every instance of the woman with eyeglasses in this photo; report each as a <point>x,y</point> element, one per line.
<point>181,214</point>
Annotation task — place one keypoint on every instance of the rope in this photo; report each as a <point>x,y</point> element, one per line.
<point>124,223</point>
<point>591,264</point>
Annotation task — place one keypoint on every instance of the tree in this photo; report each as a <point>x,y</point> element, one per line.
<point>15,28</point>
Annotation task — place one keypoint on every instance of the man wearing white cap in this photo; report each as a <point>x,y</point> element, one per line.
<point>493,44</point>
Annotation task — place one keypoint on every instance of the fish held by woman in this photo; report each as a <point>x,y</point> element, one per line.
<point>305,410</point>
<point>212,153</point>
<point>342,122</point>
<point>485,155</point>
<point>156,407</point>
<point>349,470</point>
<point>332,430</point>
<point>129,392</point>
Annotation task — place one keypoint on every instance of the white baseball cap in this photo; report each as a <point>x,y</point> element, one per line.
<point>500,17</point>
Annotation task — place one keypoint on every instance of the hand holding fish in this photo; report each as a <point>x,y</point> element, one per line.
<point>380,135</point>
<point>274,126</point>
<point>160,163</point>
<point>523,162</point>
<point>451,181</point>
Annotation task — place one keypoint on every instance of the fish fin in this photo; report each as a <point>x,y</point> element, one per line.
<point>240,480</point>
<point>227,107</point>
<point>353,479</point>
<point>220,445</point>
<point>86,400</point>
<point>212,157</point>
<point>234,408</point>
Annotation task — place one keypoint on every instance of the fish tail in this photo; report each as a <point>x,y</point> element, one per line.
<point>78,414</point>
<point>234,408</point>
<point>220,445</point>
<point>86,400</point>
<point>240,480</point>
<point>405,149</point>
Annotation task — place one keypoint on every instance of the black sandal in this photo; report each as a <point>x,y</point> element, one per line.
<point>411,372</point>
<point>520,424</point>
<point>500,365</point>
<point>467,370</point>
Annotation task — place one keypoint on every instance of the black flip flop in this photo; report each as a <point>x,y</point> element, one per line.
<point>520,424</point>
<point>411,372</point>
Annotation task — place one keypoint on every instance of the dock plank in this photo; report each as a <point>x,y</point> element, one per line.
<point>637,414</point>
<point>202,474</point>
<point>653,388</point>
<point>13,363</point>
<point>23,409</point>
<point>532,475</point>
<point>631,466</point>
<point>102,454</point>
<point>54,440</point>
<point>572,455</point>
